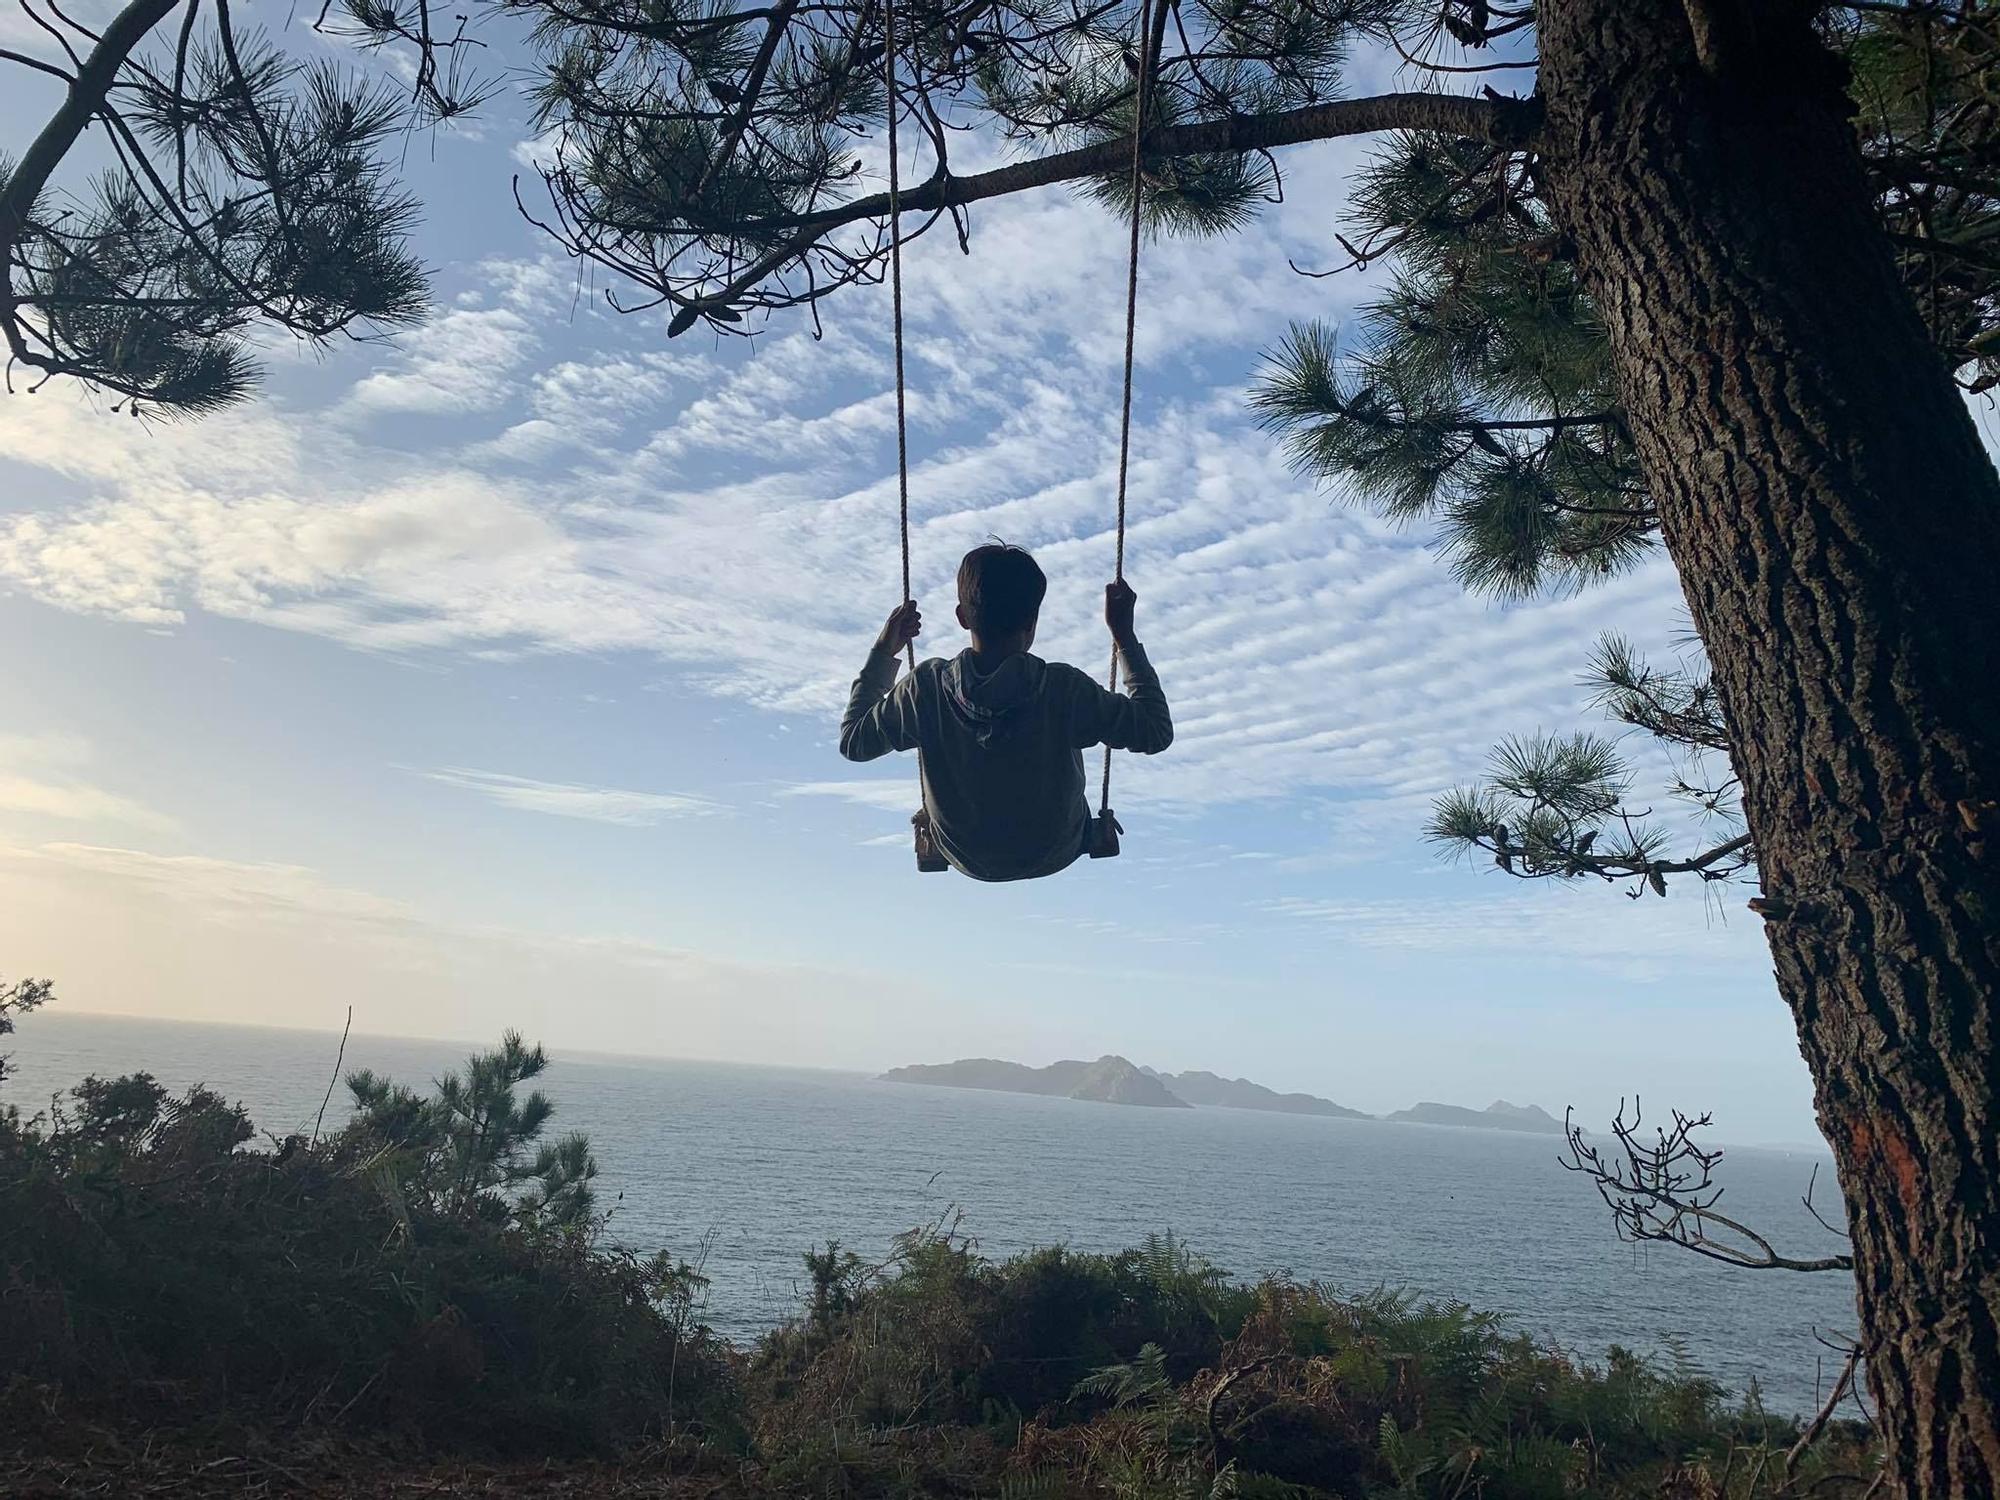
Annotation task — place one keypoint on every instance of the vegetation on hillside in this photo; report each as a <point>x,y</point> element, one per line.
<point>431,1270</point>
<point>433,1279</point>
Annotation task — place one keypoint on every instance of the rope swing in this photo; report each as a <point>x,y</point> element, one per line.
<point>1108,829</point>
<point>896,297</point>
<point>1105,828</point>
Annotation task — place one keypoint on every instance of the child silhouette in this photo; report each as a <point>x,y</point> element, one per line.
<point>1000,733</point>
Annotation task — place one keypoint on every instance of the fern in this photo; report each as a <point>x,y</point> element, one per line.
<point>1141,1382</point>
<point>1045,1483</point>
<point>1250,1485</point>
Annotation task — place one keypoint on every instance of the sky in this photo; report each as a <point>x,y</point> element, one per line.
<point>490,676</point>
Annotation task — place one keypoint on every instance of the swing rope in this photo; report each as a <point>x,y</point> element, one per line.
<point>1140,102</point>
<point>896,296</point>
<point>1131,328</point>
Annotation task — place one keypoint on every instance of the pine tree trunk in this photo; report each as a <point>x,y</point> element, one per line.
<point>1836,524</point>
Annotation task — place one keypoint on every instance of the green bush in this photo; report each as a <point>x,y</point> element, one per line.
<point>948,1337</point>
<point>1150,1375</point>
<point>432,1270</point>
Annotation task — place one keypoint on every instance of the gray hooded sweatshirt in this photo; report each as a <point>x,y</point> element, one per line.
<point>1000,753</point>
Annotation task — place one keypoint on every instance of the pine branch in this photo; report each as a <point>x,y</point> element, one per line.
<point>1556,808</point>
<point>1524,861</point>
<point>1511,122</point>
<point>283,217</point>
<point>25,184</point>
<point>753,88</point>
<point>798,234</point>
<point>1680,708</point>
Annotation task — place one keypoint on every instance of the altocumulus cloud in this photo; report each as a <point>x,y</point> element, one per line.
<point>733,512</point>
<point>463,361</point>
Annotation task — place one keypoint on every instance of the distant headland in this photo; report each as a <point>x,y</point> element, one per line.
<point>1109,1080</point>
<point>1117,1080</point>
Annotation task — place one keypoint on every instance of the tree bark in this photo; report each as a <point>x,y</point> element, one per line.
<point>1836,524</point>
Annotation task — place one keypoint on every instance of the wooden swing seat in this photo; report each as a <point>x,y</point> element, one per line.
<point>1101,842</point>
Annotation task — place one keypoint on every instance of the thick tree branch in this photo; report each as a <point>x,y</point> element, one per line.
<point>1504,122</point>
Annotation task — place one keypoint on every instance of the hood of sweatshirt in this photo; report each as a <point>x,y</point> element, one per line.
<point>986,700</point>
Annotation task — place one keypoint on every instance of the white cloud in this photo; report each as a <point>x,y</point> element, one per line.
<point>38,779</point>
<point>595,804</point>
<point>464,360</point>
<point>221,889</point>
<point>537,153</point>
<point>44,746</point>
<point>586,404</point>
<point>284,558</point>
<point>535,286</point>
<point>891,796</point>
<point>72,800</point>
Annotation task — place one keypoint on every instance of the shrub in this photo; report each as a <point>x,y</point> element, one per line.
<point>433,1269</point>
<point>1150,1375</point>
<point>17,999</point>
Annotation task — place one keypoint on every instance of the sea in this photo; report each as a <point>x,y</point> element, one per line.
<point>742,1169</point>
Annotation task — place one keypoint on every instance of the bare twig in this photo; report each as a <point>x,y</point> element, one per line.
<point>1818,1424</point>
<point>338,1058</point>
<point>1666,1191</point>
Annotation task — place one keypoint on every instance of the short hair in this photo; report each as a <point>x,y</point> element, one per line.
<point>1001,589</point>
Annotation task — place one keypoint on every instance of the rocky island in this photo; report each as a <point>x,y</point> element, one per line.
<point>1109,1080</point>
<point>1213,1090</point>
<point>1499,1115</point>
<point>1116,1080</point>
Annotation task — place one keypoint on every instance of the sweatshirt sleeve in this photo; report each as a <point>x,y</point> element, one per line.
<point>1136,719</point>
<point>881,712</point>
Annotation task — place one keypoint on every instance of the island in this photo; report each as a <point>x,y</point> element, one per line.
<point>1109,1080</point>
<point>1499,1115</point>
<point>1213,1090</point>
<point>1116,1080</point>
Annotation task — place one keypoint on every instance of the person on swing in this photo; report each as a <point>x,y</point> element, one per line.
<point>1000,732</point>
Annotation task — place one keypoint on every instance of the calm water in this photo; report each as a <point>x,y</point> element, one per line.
<point>760,1163</point>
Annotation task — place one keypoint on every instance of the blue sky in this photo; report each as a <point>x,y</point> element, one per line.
<point>490,677</point>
